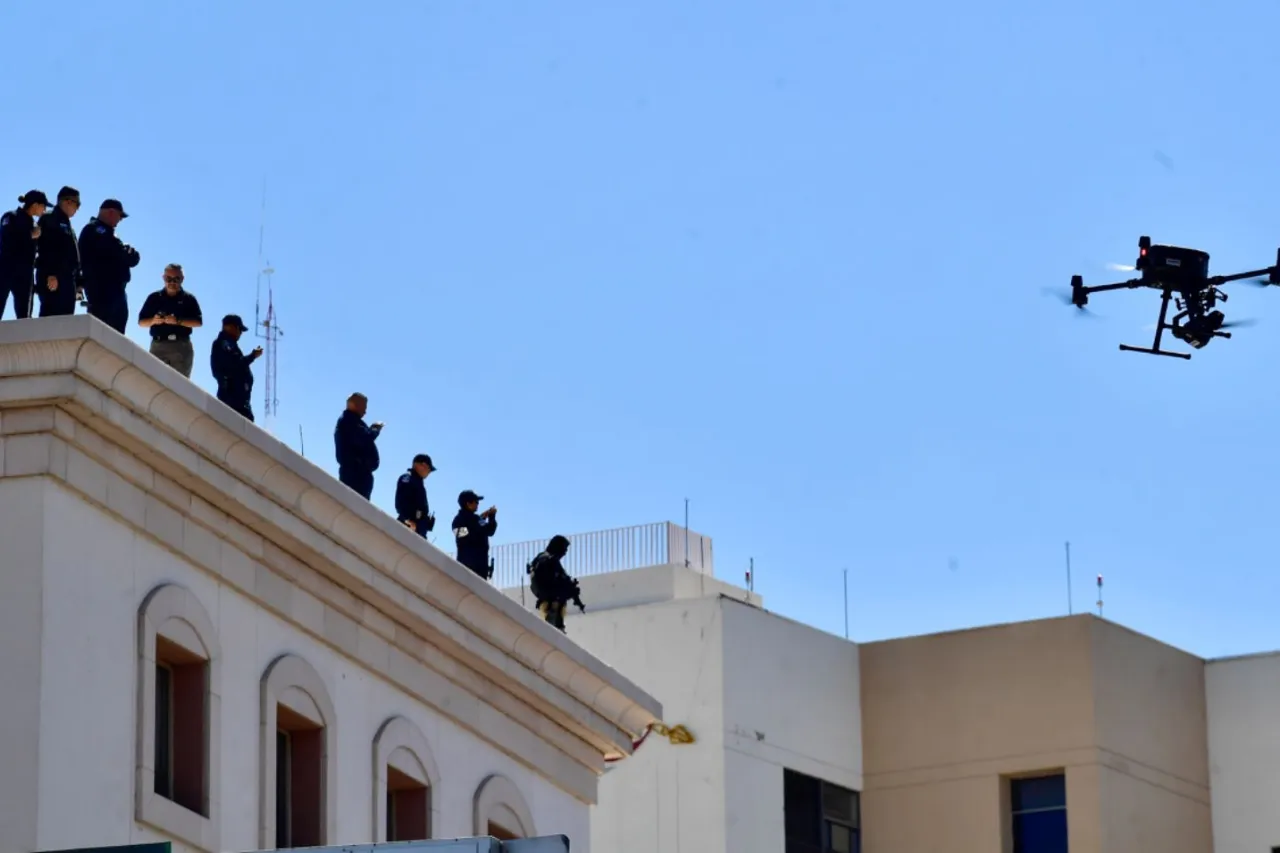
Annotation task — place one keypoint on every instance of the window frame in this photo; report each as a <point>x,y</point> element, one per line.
<point>291,682</point>
<point>499,801</point>
<point>401,744</point>
<point>1012,781</point>
<point>175,613</point>
<point>825,820</point>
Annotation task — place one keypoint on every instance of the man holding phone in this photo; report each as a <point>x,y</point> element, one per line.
<point>356,446</point>
<point>171,313</point>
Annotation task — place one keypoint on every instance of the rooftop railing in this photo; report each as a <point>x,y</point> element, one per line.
<point>613,550</point>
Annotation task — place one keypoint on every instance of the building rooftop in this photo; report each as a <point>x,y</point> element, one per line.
<point>73,390</point>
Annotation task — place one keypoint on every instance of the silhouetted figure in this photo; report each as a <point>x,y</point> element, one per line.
<point>18,236</point>
<point>551,585</point>
<point>58,272</point>
<point>231,368</point>
<point>107,263</point>
<point>471,533</point>
<point>412,509</point>
<point>356,446</point>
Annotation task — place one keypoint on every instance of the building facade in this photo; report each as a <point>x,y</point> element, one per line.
<point>205,639</point>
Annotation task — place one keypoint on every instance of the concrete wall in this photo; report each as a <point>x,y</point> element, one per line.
<point>96,573</point>
<point>1244,749</point>
<point>790,701</point>
<point>664,797</point>
<point>760,693</point>
<point>947,717</point>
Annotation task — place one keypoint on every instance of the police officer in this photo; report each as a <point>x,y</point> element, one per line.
<point>412,509</point>
<point>18,235</point>
<point>58,271</point>
<point>171,313</point>
<point>356,447</point>
<point>107,262</point>
<point>471,532</point>
<point>551,585</point>
<point>231,367</point>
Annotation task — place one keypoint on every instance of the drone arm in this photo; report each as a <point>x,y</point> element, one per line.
<point>1223,279</point>
<point>1121,285</point>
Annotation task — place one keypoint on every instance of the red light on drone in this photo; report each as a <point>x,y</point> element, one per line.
<point>1142,252</point>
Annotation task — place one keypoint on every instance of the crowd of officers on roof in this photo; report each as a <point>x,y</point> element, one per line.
<point>42,258</point>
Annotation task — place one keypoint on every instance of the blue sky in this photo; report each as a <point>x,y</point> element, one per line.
<point>783,259</point>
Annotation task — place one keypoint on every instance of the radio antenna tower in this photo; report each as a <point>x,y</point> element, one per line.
<point>264,325</point>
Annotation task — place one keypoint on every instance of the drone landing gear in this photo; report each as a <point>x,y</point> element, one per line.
<point>1150,351</point>
<point>1161,325</point>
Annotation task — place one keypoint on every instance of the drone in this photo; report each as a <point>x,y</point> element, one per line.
<point>1181,275</point>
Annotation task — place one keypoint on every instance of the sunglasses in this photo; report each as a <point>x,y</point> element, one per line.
<point>173,279</point>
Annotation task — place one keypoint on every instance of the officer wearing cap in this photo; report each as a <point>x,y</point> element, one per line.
<point>58,270</point>
<point>355,444</point>
<point>18,235</point>
<point>471,532</point>
<point>170,314</point>
<point>231,367</point>
<point>411,497</point>
<point>107,262</point>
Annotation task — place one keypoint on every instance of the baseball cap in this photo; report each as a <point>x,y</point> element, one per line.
<point>34,197</point>
<point>234,320</point>
<point>468,496</point>
<point>114,204</point>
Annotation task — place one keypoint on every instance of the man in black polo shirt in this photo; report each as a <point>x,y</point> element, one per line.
<point>171,313</point>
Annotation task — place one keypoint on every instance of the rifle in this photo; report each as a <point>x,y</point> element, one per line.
<point>577,596</point>
<point>489,576</point>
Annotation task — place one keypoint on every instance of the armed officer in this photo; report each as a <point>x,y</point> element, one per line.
<point>551,585</point>
<point>231,367</point>
<point>412,509</point>
<point>18,236</point>
<point>58,274</point>
<point>107,262</point>
<point>356,446</point>
<point>471,533</point>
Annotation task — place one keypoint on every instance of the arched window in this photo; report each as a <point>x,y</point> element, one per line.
<point>178,735</point>
<point>500,811</point>
<point>298,757</point>
<point>404,779</point>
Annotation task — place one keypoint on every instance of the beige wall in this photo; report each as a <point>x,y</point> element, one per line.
<point>947,717</point>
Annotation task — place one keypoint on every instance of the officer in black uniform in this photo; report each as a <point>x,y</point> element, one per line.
<point>107,263</point>
<point>18,236</point>
<point>356,446</point>
<point>58,274</point>
<point>551,585</point>
<point>231,367</point>
<point>471,532</point>
<point>412,509</point>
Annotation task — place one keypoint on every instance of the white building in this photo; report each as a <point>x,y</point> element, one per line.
<point>773,705</point>
<point>206,639</point>
<point>1243,697</point>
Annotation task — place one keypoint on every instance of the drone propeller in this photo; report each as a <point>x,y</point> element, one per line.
<point>1240,324</point>
<point>1260,281</point>
<point>1121,267</point>
<point>1064,296</point>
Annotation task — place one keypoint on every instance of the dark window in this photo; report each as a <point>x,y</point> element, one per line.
<point>164,731</point>
<point>1039,808</point>
<point>299,781</point>
<point>408,808</point>
<point>819,817</point>
<point>181,730</point>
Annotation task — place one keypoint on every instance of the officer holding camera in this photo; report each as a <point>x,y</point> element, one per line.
<point>107,262</point>
<point>411,497</point>
<point>471,532</point>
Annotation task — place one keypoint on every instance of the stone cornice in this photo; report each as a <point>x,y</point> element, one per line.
<point>132,413</point>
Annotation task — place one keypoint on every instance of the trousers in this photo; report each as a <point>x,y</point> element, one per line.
<point>21,297</point>
<point>177,354</point>
<point>553,613</point>
<point>60,302</point>
<point>111,308</point>
<point>240,406</point>
<point>360,482</point>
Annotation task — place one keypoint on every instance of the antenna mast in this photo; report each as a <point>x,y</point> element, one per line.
<point>264,326</point>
